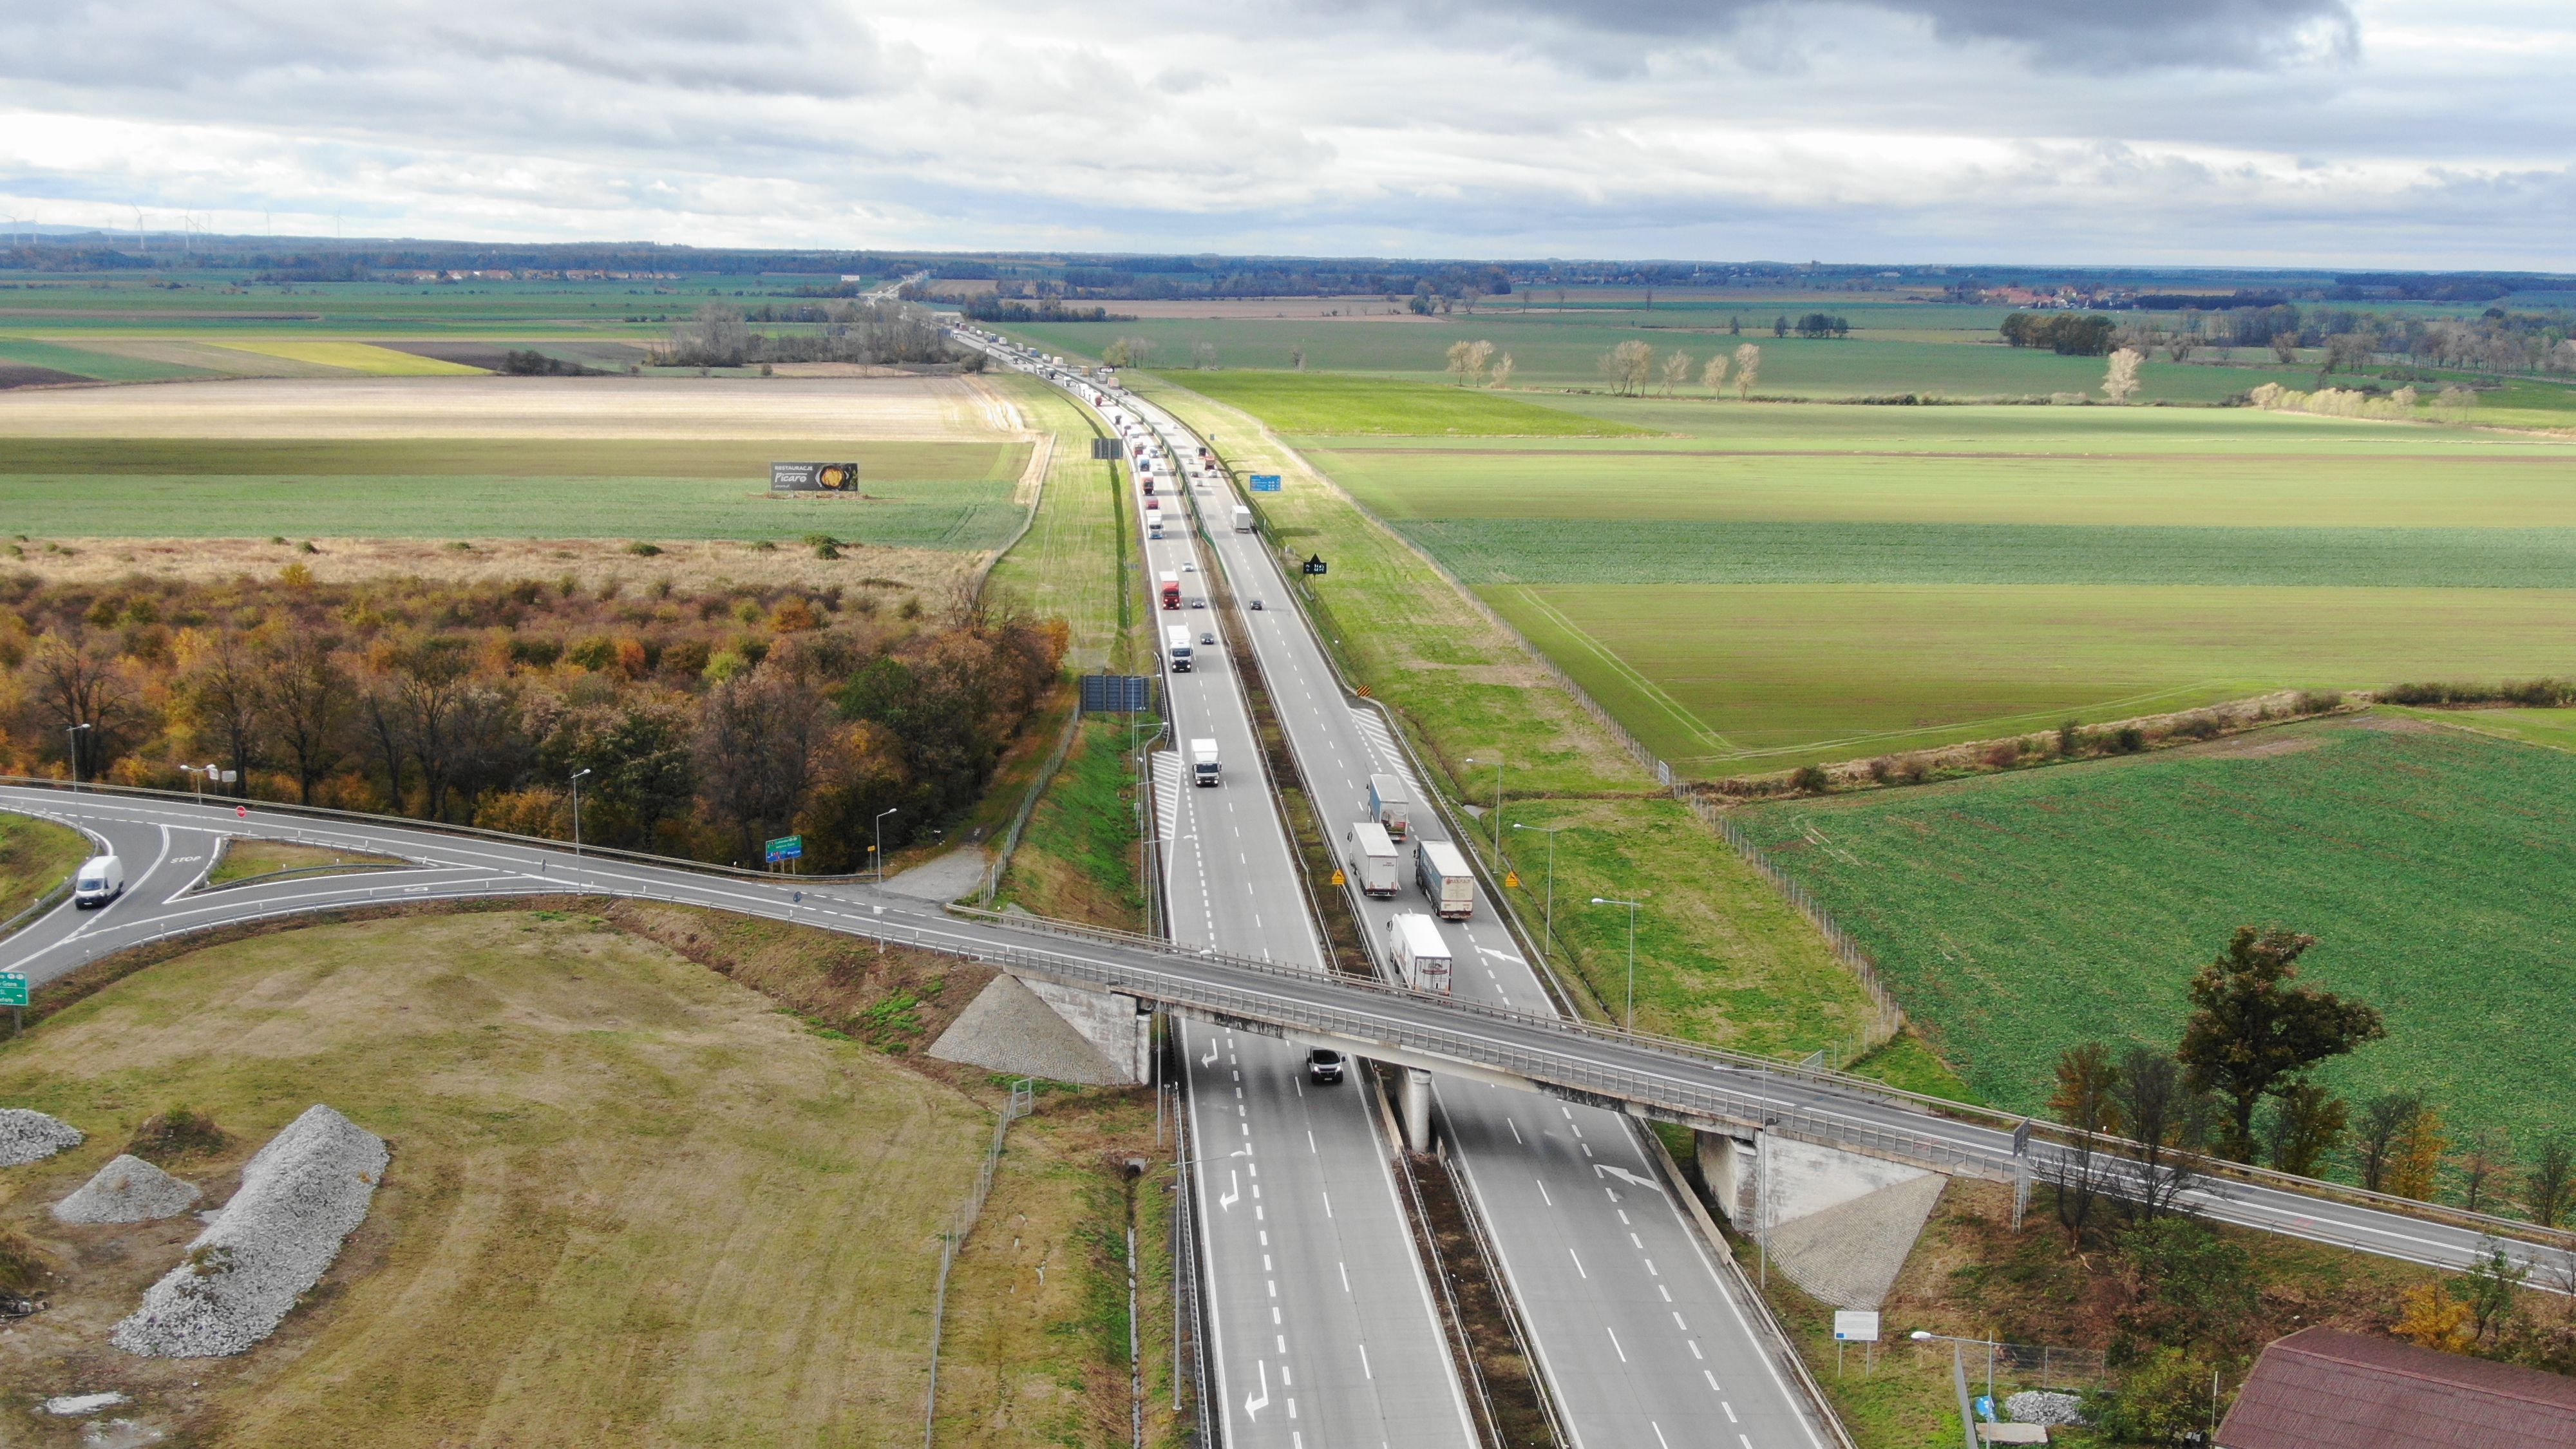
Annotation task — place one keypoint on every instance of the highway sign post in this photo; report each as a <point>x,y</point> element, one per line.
<point>784,848</point>
<point>1265,482</point>
<point>13,995</point>
<point>1856,1326</point>
<point>1315,564</point>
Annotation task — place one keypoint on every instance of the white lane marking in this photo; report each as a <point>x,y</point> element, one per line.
<point>1614,1342</point>
<point>1542,1193</point>
<point>1711,1376</point>
<point>1365,1371</point>
<point>1578,1262</point>
<point>1516,1129</point>
<point>1730,1411</point>
<point>1659,1434</point>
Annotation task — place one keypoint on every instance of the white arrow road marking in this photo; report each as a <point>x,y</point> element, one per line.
<point>1624,1175</point>
<point>1254,1404</point>
<point>1234,1194</point>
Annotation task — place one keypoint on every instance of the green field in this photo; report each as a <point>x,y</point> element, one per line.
<point>2018,914</point>
<point>1758,585</point>
<point>1302,402</point>
<point>84,362</point>
<point>921,495</point>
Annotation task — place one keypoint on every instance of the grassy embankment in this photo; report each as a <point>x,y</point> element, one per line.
<point>629,1198</point>
<point>2019,914</point>
<point>35,857</point>
<point>1077,858</point>
<point>244,857</point>
<point>1719,957</point>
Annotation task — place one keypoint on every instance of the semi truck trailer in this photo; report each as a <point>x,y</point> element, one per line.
<point>1171,585</point>
<point>1242,518</point>
<point>1442,873</point>
<point>1389,806</point>
<point>1205,769</point>
<point>1176,641</point>
<point>1421,957</point>
<point>1371,858</point>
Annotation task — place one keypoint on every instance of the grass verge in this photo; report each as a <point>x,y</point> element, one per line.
<point>244,857</point>
<point>35,856</point>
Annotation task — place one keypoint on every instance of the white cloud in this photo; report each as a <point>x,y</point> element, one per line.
<point>2332,131</point>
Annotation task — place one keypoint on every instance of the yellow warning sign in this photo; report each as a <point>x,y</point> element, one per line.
<point>1512,878</point>
<point>1338,879</point>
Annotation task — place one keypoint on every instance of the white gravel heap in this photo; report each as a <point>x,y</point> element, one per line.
<point>306,1191</point>
<point>32,1136</point>
<point>2034,1406</point>
<point>128,1190</point>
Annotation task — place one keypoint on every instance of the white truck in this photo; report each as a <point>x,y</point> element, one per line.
<point>101,879</point>
<point>1389,806</point>
<point>1242,518</point>
<point>1205,768</point>
<point>1371,859</point>
<point>1442,873</point>
<point>1421,958</point>
<point>1176,641</point>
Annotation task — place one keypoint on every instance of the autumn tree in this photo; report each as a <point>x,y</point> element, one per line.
<point>1748,365</point>
<point>757,737</point>
<point>1628,366</point>
<point>306,697</point>
<point>1677,366</point>
<point>2378,1140</point>
<point>1713,376</point>
<point>221,693</point>
<point>2120,379</point>
<point>2549,1185</point>
<point>1502,372</point>
<point>2416,1163</point>
<point>2253,1030</point>
<point>2307,1123</point>
<point>2086,1101</point>
<point>82,701</point>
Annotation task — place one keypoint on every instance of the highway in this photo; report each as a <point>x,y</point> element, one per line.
<point>1321,1315</point>
<point>1640,1338</point>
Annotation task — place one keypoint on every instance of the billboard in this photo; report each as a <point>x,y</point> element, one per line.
<point>813,477</point>
<point>1265,482</point>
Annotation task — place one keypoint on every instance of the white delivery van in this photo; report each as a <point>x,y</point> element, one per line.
<point>1442,872</point>
<point>1421,958</point>
<point>1242,519</point>
<point>1371,859</point>
<point>101,879</point>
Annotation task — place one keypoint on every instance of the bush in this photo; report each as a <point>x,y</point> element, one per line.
<point>2197,727</point>
<point>1812,779</point>
<point>641,549</point>
<point>22,1263</point>
<point>535,649</point>
<point>2164,1400</point>
<point>167,1136</point>
<point>2003,754</point>
<point>1882,767</point>
<point>2070,738</point>
<point>2320,701</point>
<point>2128,739</point>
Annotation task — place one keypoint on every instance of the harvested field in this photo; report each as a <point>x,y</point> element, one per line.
<point>930,409</point>
<point>360,357</point>
<point>20,375</point>
<point>935,575</point>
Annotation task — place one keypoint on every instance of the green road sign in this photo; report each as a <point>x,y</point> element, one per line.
<point>785,847</point>
<point>13,989</point>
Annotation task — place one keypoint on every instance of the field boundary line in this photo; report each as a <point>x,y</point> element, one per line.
<point>1634,677</point>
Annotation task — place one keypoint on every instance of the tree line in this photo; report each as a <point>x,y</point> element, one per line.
<point>1631,368</point>
<point>720,335</point>
<point>707,721</point>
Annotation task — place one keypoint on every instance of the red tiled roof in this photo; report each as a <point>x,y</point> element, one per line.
<point>2324,1389</point>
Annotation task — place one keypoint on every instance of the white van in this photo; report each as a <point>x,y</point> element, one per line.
<point>101,879</point>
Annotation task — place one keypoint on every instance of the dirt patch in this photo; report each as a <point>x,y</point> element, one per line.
<point>699,567</point>
<point>2395,724</point>
<point>2253,746</point>
<point>14,375</point>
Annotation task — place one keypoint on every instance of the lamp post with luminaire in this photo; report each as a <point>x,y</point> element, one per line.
<point>72,734</point>
<point>878,849</point>
<point>576,808</point>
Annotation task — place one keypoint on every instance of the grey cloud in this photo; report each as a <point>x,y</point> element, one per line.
<point>2093,35</point>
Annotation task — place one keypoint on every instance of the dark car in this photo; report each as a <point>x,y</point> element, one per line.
<point>1198,603</point>
<point>1256,603</point>
<point>1207,638</point>
<point>1324,1064</point>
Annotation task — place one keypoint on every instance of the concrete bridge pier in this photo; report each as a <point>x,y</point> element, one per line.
<point>1417,1109</point>
<point>1036,1028</point>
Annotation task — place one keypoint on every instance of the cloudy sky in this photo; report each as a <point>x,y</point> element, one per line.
<point>2340,132</point>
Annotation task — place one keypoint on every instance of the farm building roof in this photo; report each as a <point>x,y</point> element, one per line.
<point>2325,1389</point>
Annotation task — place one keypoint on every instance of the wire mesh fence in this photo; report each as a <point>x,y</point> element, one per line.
<point>953,1238</point>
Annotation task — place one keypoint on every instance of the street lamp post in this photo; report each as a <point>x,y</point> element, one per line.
<point>878,849</point>
<point>1632,953</point>
<point>1550,832</point>
<point>576,809</point>
<point>72,734</point>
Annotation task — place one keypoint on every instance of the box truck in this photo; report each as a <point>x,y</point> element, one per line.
<point>1421,958</point>
<point>1171,590</point>
<point>1442,873</point>
<point>1389,806</point>
<point>1205,769</point>
<point>1176,639</point>
<point>101,879</point>
<point>1371,859</point>
<point>1242,519</point>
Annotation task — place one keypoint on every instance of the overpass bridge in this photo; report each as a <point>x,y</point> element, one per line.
<point>1708,1089</point>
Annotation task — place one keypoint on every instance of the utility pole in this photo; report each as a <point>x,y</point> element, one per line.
<point>576,808</point>
<point>1632,953</point>
<point>72,733</point>
<point>878,849</point>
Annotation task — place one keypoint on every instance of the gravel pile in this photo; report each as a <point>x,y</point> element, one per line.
<point>306,1191</point>
<point>2032,1406</point>
<point>32,1136</point>
<point>128,1190</point>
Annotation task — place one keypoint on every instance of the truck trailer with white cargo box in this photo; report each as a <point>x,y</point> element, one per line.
<point>1242,518</point>
<point>1442,873</point>
<point>1176,642</point>
<point>1421,957</point>
<point>1204,766</point>
<point>1371,859</point>
<point>1389,806</point>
